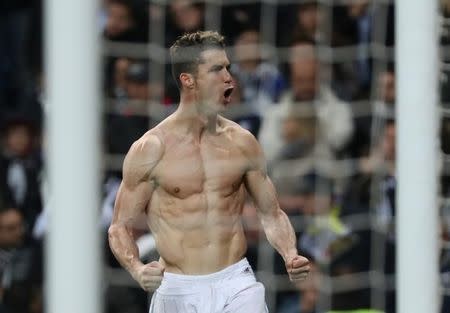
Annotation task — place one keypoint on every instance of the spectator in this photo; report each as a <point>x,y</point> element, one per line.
<point>445,142</point>
<point>119,78</point>
<point>309,18</point>
<point>386,92</point>
<point>371,123</point>
<point>304,24</point>
<point>123,22</point>
<point>129,118</point>
<point>261,82</point>
<point>325,237</point>
<point>372,191</point>
<point>359,13</point>
<point>184,16</point>
<point>298,131</point>
<point>445,257</point>
<point>237,18</point>
<point>21,165</point>
<point>16,83</point>
<point>334,116</point>
<point>21,265</point>
<point>140,86</point>
<point>353,24</point>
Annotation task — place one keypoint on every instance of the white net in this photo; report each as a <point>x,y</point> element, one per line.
<point>316,86</point>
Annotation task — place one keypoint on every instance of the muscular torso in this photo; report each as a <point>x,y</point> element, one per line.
<point>197,201</point>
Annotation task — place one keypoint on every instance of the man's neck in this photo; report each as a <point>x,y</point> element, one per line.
<point>194,120</point>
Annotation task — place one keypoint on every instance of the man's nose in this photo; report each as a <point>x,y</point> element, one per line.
<point>228,77</point>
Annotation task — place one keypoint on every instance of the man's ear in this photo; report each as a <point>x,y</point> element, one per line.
<point>187,80</point>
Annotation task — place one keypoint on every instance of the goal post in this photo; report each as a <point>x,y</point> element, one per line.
<point>417,156</point>
<point>73,256</point>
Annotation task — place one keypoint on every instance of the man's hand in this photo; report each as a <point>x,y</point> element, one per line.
<point>297,268</point>
<point>149,276</point>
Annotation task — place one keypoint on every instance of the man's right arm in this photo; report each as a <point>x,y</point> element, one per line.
<point>132,200</point>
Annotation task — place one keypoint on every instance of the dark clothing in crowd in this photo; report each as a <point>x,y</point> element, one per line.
<point>21,180</point>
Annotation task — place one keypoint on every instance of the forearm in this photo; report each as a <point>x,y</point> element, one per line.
<point>280,233</point>
<point>124,248</point>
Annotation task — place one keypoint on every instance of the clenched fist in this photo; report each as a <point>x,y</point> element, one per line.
<point>149,276</point>
<point>297,268</point>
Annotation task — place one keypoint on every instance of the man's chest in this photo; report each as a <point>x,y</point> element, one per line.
<point>190,168</point>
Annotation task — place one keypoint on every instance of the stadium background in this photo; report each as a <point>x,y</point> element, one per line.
<point>316,85</point>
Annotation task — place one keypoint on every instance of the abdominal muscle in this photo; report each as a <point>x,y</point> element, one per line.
<point>199,235</point>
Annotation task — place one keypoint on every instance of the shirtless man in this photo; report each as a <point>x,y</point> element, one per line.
<point>187,180</point>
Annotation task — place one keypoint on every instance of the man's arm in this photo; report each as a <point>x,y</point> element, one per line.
<point>275,222</point>
<point>132,199</point>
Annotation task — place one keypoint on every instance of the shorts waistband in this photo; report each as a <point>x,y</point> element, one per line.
<point>240,265</point>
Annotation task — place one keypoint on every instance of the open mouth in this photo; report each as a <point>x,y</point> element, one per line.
<point>228,92</point>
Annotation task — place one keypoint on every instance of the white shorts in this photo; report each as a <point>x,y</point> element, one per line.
<point>231,290</point>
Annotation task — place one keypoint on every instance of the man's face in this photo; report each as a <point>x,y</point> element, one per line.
<point>246,47</point>
<point>386,84</point>
<point>213,81</point>
<point>11,229</point>
<point>18,140</point>
<point>304,79</point>
<point>186,15</point>
<point>309,18</point>
<point>119,20</point>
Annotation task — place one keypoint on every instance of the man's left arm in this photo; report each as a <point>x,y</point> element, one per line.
<point>275,222</point>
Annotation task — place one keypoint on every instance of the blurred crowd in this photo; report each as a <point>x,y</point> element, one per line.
<point>315,84</point>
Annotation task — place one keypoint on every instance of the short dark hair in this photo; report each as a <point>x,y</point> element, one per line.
<point>186,50</point>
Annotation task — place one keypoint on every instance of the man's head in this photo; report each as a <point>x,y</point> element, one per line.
<point>309,17</point>
<point>386,86</point>
<point>186,52</point>
<point>137,77</point>
<point>304,68</point>
<point>12,228</point>
<point>317,190</point>
<point>139,84</point>
<point>246,46</point>
<point>120,18</point>
<point>299,124</point>
<point>187,15</point>
<point>200,67</point>
<point>19,136</point>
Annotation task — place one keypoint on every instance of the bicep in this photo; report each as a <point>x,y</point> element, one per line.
<point>131,204</point>
<point>262,191</point>
<point>136,188</point>
<point>257,182</point>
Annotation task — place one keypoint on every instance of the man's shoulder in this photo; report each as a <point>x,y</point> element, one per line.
<point>148,147</point>
<point>240,136</point>
<point>141,159</point>
<point>152,139</point>
<point>235,130</point>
